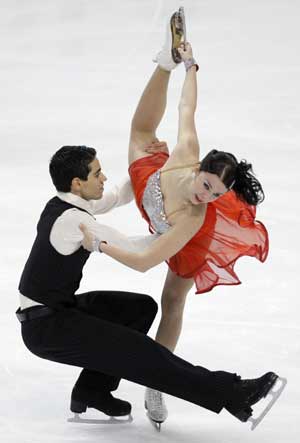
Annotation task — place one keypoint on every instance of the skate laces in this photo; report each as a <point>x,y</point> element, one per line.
<point>156,402</point>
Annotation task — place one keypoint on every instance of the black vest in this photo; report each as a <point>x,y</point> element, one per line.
<point>49,277</point>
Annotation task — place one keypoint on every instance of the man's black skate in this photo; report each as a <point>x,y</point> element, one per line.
<point>248,392</point>
<point>103,402</point>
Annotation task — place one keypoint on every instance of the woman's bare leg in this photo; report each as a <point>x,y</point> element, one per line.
<point>148,114</point>
<point>173,301</point>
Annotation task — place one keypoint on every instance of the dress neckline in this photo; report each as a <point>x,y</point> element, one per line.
<point>172,169</point>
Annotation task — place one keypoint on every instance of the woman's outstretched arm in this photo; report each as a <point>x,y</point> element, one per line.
<point>160,250</point>
<point>187,148</point>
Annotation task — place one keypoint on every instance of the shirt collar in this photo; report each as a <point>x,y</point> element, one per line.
<point>75,200</point>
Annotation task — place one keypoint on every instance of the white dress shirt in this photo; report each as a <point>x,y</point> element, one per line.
<point>66,237</point>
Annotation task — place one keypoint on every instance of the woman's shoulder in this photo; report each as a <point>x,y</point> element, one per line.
<point>177,161</point>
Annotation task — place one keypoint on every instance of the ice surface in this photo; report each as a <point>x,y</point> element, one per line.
<point>71,73</point>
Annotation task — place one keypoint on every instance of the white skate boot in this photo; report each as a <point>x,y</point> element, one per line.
<point>156,408</point>
<point>169,58</point>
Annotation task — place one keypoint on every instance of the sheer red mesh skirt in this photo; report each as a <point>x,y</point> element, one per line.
<point>229,232</point>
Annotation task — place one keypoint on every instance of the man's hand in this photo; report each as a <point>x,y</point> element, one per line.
<point>89,241</point>
<point>157,146</point>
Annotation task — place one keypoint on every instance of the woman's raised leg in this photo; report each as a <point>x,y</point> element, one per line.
<point>148,114</point>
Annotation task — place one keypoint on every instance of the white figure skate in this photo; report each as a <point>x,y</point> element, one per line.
<point>156,408</point>
<point>168,57</point>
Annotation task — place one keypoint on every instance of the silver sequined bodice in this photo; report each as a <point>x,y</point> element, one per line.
<point>153,203</point>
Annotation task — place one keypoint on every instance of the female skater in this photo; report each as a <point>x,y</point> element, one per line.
<point>205,212</point>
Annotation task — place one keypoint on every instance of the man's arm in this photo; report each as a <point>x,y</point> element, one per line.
<point>66,236</point>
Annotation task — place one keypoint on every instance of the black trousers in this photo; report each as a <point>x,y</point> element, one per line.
<point>106,336</point>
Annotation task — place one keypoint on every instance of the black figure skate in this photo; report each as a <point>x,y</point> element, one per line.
<point>249,392</point>
<point>103,402</point>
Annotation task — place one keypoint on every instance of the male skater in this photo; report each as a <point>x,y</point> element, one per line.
<point>104,332</point>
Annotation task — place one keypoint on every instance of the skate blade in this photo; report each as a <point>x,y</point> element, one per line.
<point>108,421</point>
<point>178,29</point>
<point>275,395</point>
<point>181,12</point>
<point>155,424</point>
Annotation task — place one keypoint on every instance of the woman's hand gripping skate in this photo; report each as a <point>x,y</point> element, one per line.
<point>185,50</point>
<point>186,54</point>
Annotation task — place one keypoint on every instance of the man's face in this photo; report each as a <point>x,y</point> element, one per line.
<point>92,188</point>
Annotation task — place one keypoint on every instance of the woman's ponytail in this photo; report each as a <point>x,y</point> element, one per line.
<point>235,175</point>
<point>246,185</point>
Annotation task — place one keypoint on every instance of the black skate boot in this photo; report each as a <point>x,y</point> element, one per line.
<point>102,401</point>
<point>248,392</point>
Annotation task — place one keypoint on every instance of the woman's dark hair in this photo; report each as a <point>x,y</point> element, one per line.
<point>235,175</point>
<point>69,162</point>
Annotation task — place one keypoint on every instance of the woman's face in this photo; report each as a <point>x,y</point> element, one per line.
<point>206,187</point>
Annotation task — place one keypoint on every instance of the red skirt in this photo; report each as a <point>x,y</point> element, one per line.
<point>229,232</point>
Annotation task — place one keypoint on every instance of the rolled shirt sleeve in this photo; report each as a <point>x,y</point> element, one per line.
<point>66,236</point>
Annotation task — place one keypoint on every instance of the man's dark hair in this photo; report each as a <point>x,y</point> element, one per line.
<point>70,162</point>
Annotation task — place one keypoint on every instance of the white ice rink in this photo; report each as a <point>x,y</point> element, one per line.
<point>71,73</point>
